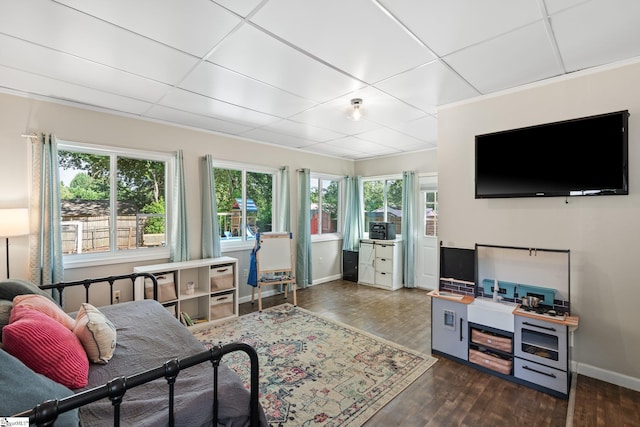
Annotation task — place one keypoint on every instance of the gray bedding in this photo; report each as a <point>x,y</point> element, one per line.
<point>148,336</point>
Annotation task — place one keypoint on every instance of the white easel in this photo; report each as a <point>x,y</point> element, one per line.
<point>274,263</point>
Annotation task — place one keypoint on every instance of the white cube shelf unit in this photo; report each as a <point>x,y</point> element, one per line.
<point>204,289</point>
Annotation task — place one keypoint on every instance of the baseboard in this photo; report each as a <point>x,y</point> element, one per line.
<point>611,377</point>
<point>327,279</point>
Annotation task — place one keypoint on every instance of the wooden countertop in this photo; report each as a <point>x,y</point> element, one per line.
<point>571,321</point>
<point>463,299</point>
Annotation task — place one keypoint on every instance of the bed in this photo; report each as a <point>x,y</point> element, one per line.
<point>158,374</point>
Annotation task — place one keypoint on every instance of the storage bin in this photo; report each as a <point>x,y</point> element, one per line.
<point>221,277</point>
<point>491,361</point>
<point>166,287</point>
<point>491,340</point>
<point>221,306</point>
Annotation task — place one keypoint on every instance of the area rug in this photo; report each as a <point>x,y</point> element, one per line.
<point>316,371</point>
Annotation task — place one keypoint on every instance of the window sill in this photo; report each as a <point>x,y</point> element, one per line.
<point>122,257</point>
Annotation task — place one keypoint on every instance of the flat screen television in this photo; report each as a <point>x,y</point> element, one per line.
<point>580,157</point>
<point>458,263</point>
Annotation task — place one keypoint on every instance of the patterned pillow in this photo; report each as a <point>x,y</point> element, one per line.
<point>45,306</point>
<point>46,346</point>
<point>96,333</point>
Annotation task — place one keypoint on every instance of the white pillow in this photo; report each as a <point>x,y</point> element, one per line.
<point>96,333</point>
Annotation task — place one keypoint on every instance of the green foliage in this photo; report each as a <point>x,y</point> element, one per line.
<point>155,225</point>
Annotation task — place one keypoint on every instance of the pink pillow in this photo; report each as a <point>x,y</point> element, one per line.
<point>46,306</point>
<point>47,347</point>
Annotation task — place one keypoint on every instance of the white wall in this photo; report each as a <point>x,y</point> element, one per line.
<point>20,115</point>
<point>601,232</point>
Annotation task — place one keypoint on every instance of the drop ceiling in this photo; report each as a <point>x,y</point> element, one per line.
<point>284,71</point>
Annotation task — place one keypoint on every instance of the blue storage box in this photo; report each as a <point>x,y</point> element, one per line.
<point>546,295</point>
<point>507,289</point>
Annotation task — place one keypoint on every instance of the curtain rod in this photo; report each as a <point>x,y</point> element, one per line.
<point>29,136</point>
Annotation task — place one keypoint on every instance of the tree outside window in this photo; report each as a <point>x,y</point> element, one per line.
<point>103,188</point>
<point>244,200</point>
<point>382,202</point>
<point>325,197</point>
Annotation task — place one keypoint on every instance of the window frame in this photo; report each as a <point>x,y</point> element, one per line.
<point>384,178</point>
<point>244,244</point>
<point>318,177</point>
<point>130,255</point>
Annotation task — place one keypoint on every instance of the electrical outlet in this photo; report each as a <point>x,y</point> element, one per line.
<point>245,273</point>
<point>116,296</point>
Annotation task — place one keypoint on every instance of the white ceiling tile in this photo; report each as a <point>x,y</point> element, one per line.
<point>516,58</point>
<point>382,108</point>
<point>195,120</point>
<point>64,29</point>
<point>611,25</point>
<point>58,90</point>
<point>302,75</point>
<point>219,83</point>
<point>241,7</point>
<point>363,146</point>
<point>332,150</point>
<point>428,86</point>
<point>193,26</point>
<point>312,133</point>
<point>333,115</point>
<point>356,35</point>
<point>424,129</point>
<point>278,138</point>
<point>447,26</point>
<point>555,6</point>
<point>38,60</point>
<point>199,104</point>
<point>392,138</point>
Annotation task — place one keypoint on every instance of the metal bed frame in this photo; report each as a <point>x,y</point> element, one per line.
<point>45,413</point>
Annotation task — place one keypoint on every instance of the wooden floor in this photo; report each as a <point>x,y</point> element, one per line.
<point>452,394</point>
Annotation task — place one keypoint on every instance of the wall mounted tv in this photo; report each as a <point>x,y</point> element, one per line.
<point>580,157</point>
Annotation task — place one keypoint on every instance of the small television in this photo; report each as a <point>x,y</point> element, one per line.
<point>458,264</point>
<point>580,157</point>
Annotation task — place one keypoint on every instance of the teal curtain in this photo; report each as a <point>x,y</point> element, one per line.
<point>408,228</point>
<point>210,228</point>
<point>353,222</point>
<point>179,249</point>
<point>45,240</point>
<point>284,200</point>
<point>303,247</point>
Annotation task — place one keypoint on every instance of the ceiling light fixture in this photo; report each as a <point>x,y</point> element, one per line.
<point>355,112</point>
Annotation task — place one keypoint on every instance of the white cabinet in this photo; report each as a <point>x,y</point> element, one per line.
<point>204,289</point>
<point>380,263</point>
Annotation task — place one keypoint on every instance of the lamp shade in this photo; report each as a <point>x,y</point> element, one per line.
<point>14,222</point>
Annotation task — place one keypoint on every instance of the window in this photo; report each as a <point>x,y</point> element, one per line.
<point>244,198</point>
<point>382,201</point>
<point>112,201</point>
<point>431,213</point>
<point>325,204</point>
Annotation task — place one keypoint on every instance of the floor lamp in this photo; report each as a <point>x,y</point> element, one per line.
<point>13,222</point>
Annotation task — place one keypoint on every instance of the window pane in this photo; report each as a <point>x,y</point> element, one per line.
<point>329,206</point>
<point>373,193</point>
<point>84,194</point>
<point>394,203</point>
<point>316,219</point>
<point>141,220</point>
<point>228,201</point>
<point>431,213</point>
<point>259,203</point>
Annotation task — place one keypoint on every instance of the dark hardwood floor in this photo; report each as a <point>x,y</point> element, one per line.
<point>452,394</point>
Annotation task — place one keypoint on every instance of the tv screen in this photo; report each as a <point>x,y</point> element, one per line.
<point>580,157</point>
<point>458,263</point>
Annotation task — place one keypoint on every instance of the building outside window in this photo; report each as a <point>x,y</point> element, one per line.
<point>245,201</point>
<point>382,201</point>
<point>112,200</point>
<point>325,193</point>
<point>431,213</point>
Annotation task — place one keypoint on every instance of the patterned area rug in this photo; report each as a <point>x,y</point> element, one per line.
<point>315,371</point>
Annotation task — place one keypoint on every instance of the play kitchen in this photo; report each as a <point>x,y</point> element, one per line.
<point>505,323</point>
